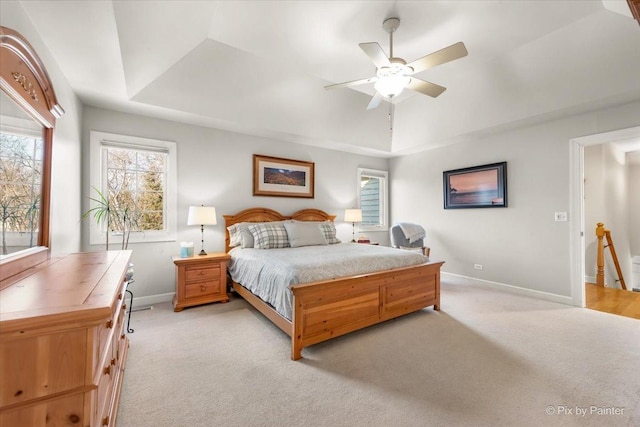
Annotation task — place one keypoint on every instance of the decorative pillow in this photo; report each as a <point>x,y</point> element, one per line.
<point>304,234</point>
<point>239,235</point>
<point>328,228</point>
<point>267,235</point>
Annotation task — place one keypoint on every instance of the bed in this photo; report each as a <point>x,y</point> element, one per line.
<point>327,308</point>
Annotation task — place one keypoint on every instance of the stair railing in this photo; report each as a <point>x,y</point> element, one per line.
<point>601,234</point>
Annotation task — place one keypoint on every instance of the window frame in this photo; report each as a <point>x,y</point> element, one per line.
<point>98,174</point>
<point>383,225</point>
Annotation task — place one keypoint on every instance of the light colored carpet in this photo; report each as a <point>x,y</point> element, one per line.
<point>487,359</point>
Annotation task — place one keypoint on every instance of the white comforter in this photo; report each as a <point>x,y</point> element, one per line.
<point>269,273</point>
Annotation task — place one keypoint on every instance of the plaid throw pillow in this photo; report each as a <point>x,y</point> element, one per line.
<point>269,236</point>
<point>329,231</point>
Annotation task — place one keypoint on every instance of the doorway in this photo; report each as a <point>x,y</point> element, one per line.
<point>578,227</point>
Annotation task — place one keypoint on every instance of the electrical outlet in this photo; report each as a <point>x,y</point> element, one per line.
<point>561,216</point>
<point>477,266</point>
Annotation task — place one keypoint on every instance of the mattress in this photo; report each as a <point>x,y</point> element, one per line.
<point>270,273</point>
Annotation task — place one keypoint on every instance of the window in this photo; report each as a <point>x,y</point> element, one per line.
<point>372,199</point>
<point>21,162</point>
<point>138,178</point>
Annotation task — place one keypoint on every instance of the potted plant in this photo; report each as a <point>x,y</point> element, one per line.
<point>115,213</point>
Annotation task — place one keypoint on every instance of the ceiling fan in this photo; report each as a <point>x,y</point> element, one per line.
<point>394,74</point>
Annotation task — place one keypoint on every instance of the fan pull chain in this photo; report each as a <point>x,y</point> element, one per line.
<point>391,117</point>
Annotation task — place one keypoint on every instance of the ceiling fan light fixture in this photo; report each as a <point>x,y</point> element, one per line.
<point>392,79</point>
<point>391,85</point>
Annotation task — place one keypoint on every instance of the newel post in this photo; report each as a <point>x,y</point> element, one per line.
<point>600,231</point>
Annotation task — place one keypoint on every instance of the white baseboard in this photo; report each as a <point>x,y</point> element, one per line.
<point>517,290</point>
<point>590,279</point>
<point>151,299</point>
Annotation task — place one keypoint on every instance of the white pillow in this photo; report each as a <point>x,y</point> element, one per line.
<point>304,234</point>
<point>328,229</point>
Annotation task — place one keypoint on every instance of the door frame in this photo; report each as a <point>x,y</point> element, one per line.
<point>576,194</point>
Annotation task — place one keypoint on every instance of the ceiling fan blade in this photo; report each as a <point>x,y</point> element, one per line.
<point>352,83</point>
<point>431,89</point>
<point>455,51</point>
<point>375,101</point>
<point>375,52</point>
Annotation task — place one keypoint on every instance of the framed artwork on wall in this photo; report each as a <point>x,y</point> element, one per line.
<point>476,187</point>
<point>274,176</point>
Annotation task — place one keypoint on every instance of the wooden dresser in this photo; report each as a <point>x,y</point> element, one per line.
<point>62,341</point>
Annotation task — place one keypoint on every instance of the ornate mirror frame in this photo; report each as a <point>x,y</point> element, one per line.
<point>25,80</point>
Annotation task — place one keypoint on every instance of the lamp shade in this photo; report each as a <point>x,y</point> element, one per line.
<point>202,215</point>
<point>353,215</point>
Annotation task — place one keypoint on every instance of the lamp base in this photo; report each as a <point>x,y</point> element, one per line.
<point>202,252</point>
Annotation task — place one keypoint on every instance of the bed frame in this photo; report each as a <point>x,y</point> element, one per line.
<point>330,308</point>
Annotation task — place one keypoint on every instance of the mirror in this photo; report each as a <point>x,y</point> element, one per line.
<point>29,109</point>
<point>21,161</point>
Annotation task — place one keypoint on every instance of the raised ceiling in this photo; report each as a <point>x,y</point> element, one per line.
<point>259,67</point>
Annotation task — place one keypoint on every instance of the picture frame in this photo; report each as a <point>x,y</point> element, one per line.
<point>482,186</point>
<point>278,177</point>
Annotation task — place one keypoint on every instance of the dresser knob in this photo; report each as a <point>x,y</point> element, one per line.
<point>105,421</point>
<point>107,370</point>
<point>110,324</point>
<point>203,288</point>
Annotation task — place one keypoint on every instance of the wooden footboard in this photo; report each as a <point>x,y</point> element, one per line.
<point>323,310</point>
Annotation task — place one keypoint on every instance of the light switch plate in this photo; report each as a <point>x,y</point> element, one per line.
<point>561,216</point>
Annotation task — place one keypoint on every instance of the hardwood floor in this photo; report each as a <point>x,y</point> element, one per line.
<point>611,300</point>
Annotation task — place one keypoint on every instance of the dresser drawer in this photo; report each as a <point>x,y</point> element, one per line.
<point>66,411</point>
<point>203,288</point>
<point>61,358</point>
<point>198,273</point>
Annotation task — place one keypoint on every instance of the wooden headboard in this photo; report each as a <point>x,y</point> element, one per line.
<point>267,215</point>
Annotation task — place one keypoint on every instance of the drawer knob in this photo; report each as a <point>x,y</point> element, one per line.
<point>74,419</point>
<point>107,370</point>
<point>113,361</point>
<point>119,296</point>
<point>105,421</point>
<point>110,324</point>
<point>203,288</point>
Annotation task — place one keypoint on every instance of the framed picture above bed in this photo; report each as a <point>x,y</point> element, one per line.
<point>274,176</point>
<point>476,187</point>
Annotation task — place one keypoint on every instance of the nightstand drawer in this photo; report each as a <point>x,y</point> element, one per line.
<point>203,288</point>
<point>199,273</point>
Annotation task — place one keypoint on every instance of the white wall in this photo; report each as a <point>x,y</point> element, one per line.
<point>215,168</point>
<point>594,206</point>
<point>521,245</point>
<point>633,162</point>
<point>65,167</point>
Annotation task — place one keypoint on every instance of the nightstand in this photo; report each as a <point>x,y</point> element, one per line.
<point>200,279</point>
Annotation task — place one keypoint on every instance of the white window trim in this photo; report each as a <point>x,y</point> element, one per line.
<point>96,235</point>
<point>384,225</point>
